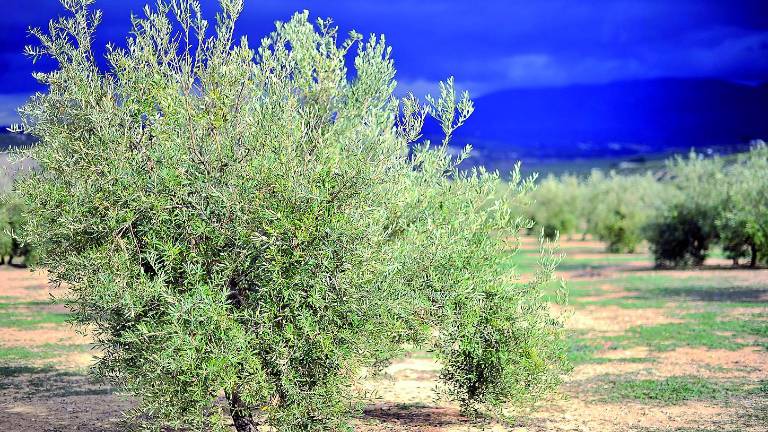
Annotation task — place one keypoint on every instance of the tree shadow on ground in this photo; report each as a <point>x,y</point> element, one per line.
<point>49,399</point>
<point>415,416</point>
<point>697,287</point>
<point>585,267</point>
<point>708,293</point>
<point>35,382</point>
<point>694,269</point>
<point>752,416</point>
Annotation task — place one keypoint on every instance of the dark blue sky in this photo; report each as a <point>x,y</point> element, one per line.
<point>488,45</point>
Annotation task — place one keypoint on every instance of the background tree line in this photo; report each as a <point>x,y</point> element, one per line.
<point>693,205</point>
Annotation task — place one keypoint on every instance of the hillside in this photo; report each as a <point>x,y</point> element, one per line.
<point>623,119</point>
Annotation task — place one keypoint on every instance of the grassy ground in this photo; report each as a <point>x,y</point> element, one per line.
<point>653,351</point>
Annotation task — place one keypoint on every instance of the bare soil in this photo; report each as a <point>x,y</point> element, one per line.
<point>45,334</point>
<point>615,320</point>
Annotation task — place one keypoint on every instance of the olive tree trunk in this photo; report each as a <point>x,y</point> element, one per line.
<point>242,417</point>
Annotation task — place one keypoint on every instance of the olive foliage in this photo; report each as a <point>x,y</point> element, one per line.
<point>254,224</point>
<point>611,207</point>
<point>743,222</point>
<point>11,220</point>
<point>684,231</point>
<point>620,207</point>
<point>556,205</point>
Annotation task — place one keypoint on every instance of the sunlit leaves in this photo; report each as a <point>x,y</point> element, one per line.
<point>254,223</point>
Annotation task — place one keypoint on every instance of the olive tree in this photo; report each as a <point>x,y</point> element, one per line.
<point>6,238</point>
<point>247,231</point>
<point>11,220</point>
<point>614,208</point>
<point>620,207</point>
<point>743,224</point>
<point>682,233</point>
<point>556,204</point>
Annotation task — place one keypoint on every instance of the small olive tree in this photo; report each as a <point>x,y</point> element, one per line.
<point>682,233</point>
<point>12,213</point>
<point>556,204</point>
<point>254,226</point>
<point>6,237</point>
<point>743,223</point>
<point>620,207</point>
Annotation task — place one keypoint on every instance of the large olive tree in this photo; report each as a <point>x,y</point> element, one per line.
<point>255,226</point>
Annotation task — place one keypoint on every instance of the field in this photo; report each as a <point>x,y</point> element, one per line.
<point>653,351</point>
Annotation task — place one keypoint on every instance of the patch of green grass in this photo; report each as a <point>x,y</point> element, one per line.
<point>28,314</point>
<point>668,391</point>
<point>574,289</point>
<point>723,369</point>
<point>583,288</point>
<point>583,350</point>
<point>754,327</point>
<point>658,290</point>
<point>598,262</point>
<point>526,259</point>
<point>42,352</point>
<point>522,262</point>
<point>33,303</point>
<point>665,337</point>
<point>67,348</point>
<point>628,302</point>
<point>17,354</point>
<point>700,330</point>
<point>624,360</point>
<point>650,282</point>
<point>21,318</point>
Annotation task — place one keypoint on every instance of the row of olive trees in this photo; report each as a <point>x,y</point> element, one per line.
<point>713,202</point>
<point>695,204</point>
<point>610,207</point>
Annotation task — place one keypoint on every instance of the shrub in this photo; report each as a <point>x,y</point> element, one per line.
<point>682,233</point>
<point>11,220</point>
<point>620,207</point>
<point>735,241</point>
<point>743,222</point>
<point>556,204</point>
<point>255,225</point>
<point>678,237</point>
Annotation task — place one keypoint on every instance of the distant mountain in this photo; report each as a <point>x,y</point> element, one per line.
<point>616,119</point>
